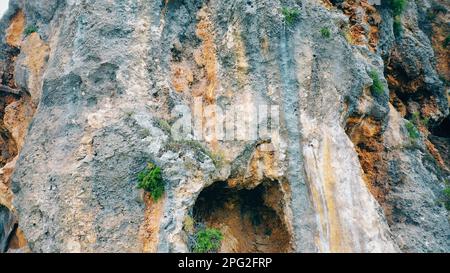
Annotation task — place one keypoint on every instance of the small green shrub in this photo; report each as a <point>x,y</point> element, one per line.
<point>412,130</point>
<point>415,118</point>
<point>377,86</point>
<point>30,29</point>
<point>398,6</point>
<point>150,179</point>
<point>446,41</point>
<point>398,28</point>
<point>290,14</point>
<point>208,240</point>
<point>163,125</point>
<point>447,196</point>
<point>326,33</point>
<point>425,121</point>
<point>418,121</point>
<point>189,224</point>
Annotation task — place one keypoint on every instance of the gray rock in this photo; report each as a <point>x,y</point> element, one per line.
<point>110,90</point>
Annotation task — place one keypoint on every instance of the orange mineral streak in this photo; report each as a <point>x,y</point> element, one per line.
<point>18,114</point>
<point>149,230</point>
<point>205,56</point>
<point>15,29</point>
<point>182,77</point>
<point>435,153</point>
<point>441,49</point>
<point>365,133</point>
<point>357,33</point>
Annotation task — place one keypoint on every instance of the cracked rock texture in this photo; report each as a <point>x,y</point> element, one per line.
<point>94,92</point>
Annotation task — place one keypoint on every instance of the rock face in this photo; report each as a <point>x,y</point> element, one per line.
<point>317,126</point>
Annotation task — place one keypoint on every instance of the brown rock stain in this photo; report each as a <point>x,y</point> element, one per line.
<point>150,227</point>
<point>206,54</point>
<point>366,135</point>
<point>357,33</point>
<point>182,77</point>
<point>440,33</point>
<point>15,29</point>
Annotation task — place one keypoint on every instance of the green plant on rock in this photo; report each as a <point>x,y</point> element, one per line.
<point>446,41</point>
<point>30,29</point>
<point>412,131</point>
<point>290,14</point>
<point>397,7</point>
<point>150,179</point>
<point>208,240</point>
<point>189,224</point>
<point>415,118</point>
<point>398,29</point>
<point>377,86</point>
<point>326,33</point>
<point>447,195</point>
<point>163,125</point>
<point>425,121</point>
<point>418,121</point>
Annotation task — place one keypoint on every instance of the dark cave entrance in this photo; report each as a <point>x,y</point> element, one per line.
<point>440,137</point>
<point>443,129</point>
<point>250,220</point>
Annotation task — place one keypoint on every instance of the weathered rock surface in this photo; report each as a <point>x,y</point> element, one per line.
<point>103,85</point>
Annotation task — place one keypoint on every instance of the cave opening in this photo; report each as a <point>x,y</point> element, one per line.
<point>251,220</point>
<point>440,137</point>
<point>443,129</point>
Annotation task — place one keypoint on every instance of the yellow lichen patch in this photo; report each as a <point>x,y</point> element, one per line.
<point>15,29</point>
<point>149,230</point>
<point>320,210</point>
<point>337,237</point>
